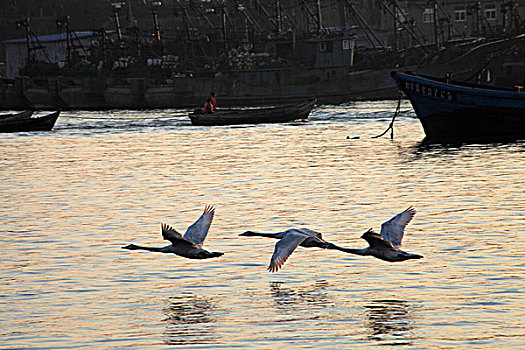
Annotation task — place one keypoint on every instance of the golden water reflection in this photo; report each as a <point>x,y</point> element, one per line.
<point>189,320</point>
<point>389,321</point>
<point>71,198</point>
<point>301,297</point>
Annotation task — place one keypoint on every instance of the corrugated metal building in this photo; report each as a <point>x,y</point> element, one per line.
<point>54,50</point>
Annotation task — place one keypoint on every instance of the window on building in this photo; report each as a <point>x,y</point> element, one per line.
<point>428,15</point>
<point>460,15</point>
<point>325,46</point>
<point>346,44</point>
<point>490,12</point>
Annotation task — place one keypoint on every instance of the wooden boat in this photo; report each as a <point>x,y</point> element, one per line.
<point>451,110</point>
<point>273,114</point>
<point>24,122</point>
<point>21,115</point>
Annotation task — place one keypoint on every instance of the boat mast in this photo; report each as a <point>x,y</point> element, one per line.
<point>366,25</point>
<point>479,25</point>
<point>319,17</point>
<point>224,26</point>
<point>396,16</point>
<point>311,14</point>
<point>31,38</point>
<point>437,38</point>
<point>156,27</point>
<point>64,23</point>
<point>116,8</point>
<point>24,23</point>
<point>278,17</point>
<point>403,25</point>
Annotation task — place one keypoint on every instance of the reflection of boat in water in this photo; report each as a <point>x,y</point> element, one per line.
<point>273,114</point>
<point>389,321</point>
<point>189,320</point>
<point>451,110</point>
<point>22,122</point>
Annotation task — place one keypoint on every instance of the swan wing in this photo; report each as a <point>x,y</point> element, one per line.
<point>197,232</point>
<point>170,234</point>
<point>377,242</point>
<point>309,232</point>
<point>394,229</point>
<point>285,247</point>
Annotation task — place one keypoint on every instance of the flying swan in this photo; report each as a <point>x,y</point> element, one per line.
<point>189,245</point>
<point>384,246</point>
<point>291,239</point>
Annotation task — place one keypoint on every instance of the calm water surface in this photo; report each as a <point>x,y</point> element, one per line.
<point>71,198</point>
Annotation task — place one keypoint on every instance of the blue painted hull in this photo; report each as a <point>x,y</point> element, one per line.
<point>453,111</point>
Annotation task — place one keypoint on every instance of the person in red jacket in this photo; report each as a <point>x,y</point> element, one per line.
<point>213,100</point>
<point>208,106</point>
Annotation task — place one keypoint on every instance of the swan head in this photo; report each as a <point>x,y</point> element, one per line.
<point>368,232</point>
<point>248,233</point>
<point>130,247</point>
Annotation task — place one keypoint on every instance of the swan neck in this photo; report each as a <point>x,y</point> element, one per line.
<point>150,249</point>
<point>266,234</point>
<point>362,252</point>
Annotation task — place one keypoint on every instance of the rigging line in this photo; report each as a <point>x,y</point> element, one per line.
<point>501,53</point>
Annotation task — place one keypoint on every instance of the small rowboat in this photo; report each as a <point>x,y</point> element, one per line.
<point>274,114</point>
<point>23,121</point>
<point>12,116</point>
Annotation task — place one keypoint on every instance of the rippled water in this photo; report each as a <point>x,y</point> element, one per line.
<point>72,197</point>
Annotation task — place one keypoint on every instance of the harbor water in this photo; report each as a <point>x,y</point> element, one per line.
<point>71,198</point>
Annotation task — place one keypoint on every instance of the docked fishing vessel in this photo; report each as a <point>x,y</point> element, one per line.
<point>452,110</point>
<point>274,57</point>
<point>273,114</point>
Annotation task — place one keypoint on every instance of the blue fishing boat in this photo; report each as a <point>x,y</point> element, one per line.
<point>451,110</point>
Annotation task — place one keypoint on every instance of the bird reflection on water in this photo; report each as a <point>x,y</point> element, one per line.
<point>303,298</point>
<point>389,322</point>
<point>189,320</point>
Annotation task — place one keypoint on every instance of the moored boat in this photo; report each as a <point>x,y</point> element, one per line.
<point>21,122</point>
<point>452,110</point>
<point>16,116</point>
<point>273,114</point>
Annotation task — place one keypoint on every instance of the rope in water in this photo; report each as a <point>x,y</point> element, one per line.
<point>391,126</point>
